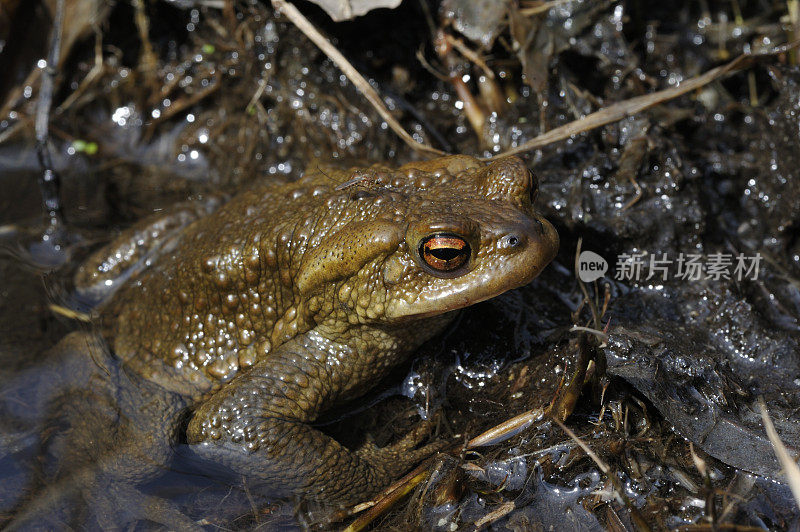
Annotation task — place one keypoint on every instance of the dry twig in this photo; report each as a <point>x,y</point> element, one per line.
<point>390,496</point>
<point>304,25</point>
<point>470,54</point>
<point>635,105</point>
<point>543,7</point>
<point>790,468</point>
<point>619,491</point>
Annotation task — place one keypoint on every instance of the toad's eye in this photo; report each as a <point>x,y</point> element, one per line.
<point>444,252</point>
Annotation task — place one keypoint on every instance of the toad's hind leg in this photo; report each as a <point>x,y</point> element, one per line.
<point>258,426</point>
<point>103,434</point>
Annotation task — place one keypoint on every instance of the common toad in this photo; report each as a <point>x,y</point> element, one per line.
<point>291,298</point>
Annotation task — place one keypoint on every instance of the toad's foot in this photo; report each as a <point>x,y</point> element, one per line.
<point>395,459</point>
<point>88,501</point>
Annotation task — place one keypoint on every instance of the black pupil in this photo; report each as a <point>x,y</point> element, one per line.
<point>446,253</point>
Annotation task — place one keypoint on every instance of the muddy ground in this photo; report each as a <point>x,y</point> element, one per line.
<point>160,101</point>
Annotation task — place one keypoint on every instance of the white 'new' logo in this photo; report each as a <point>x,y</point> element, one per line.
<point>591,266</point>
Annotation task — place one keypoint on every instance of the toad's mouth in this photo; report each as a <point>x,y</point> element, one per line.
<point>443,303</point>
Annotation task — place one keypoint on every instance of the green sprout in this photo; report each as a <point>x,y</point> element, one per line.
<point>82,146</point>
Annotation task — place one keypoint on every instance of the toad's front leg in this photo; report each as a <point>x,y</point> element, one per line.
<point>258,424</point>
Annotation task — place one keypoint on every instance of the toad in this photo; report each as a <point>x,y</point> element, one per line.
<point>252,320</point>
